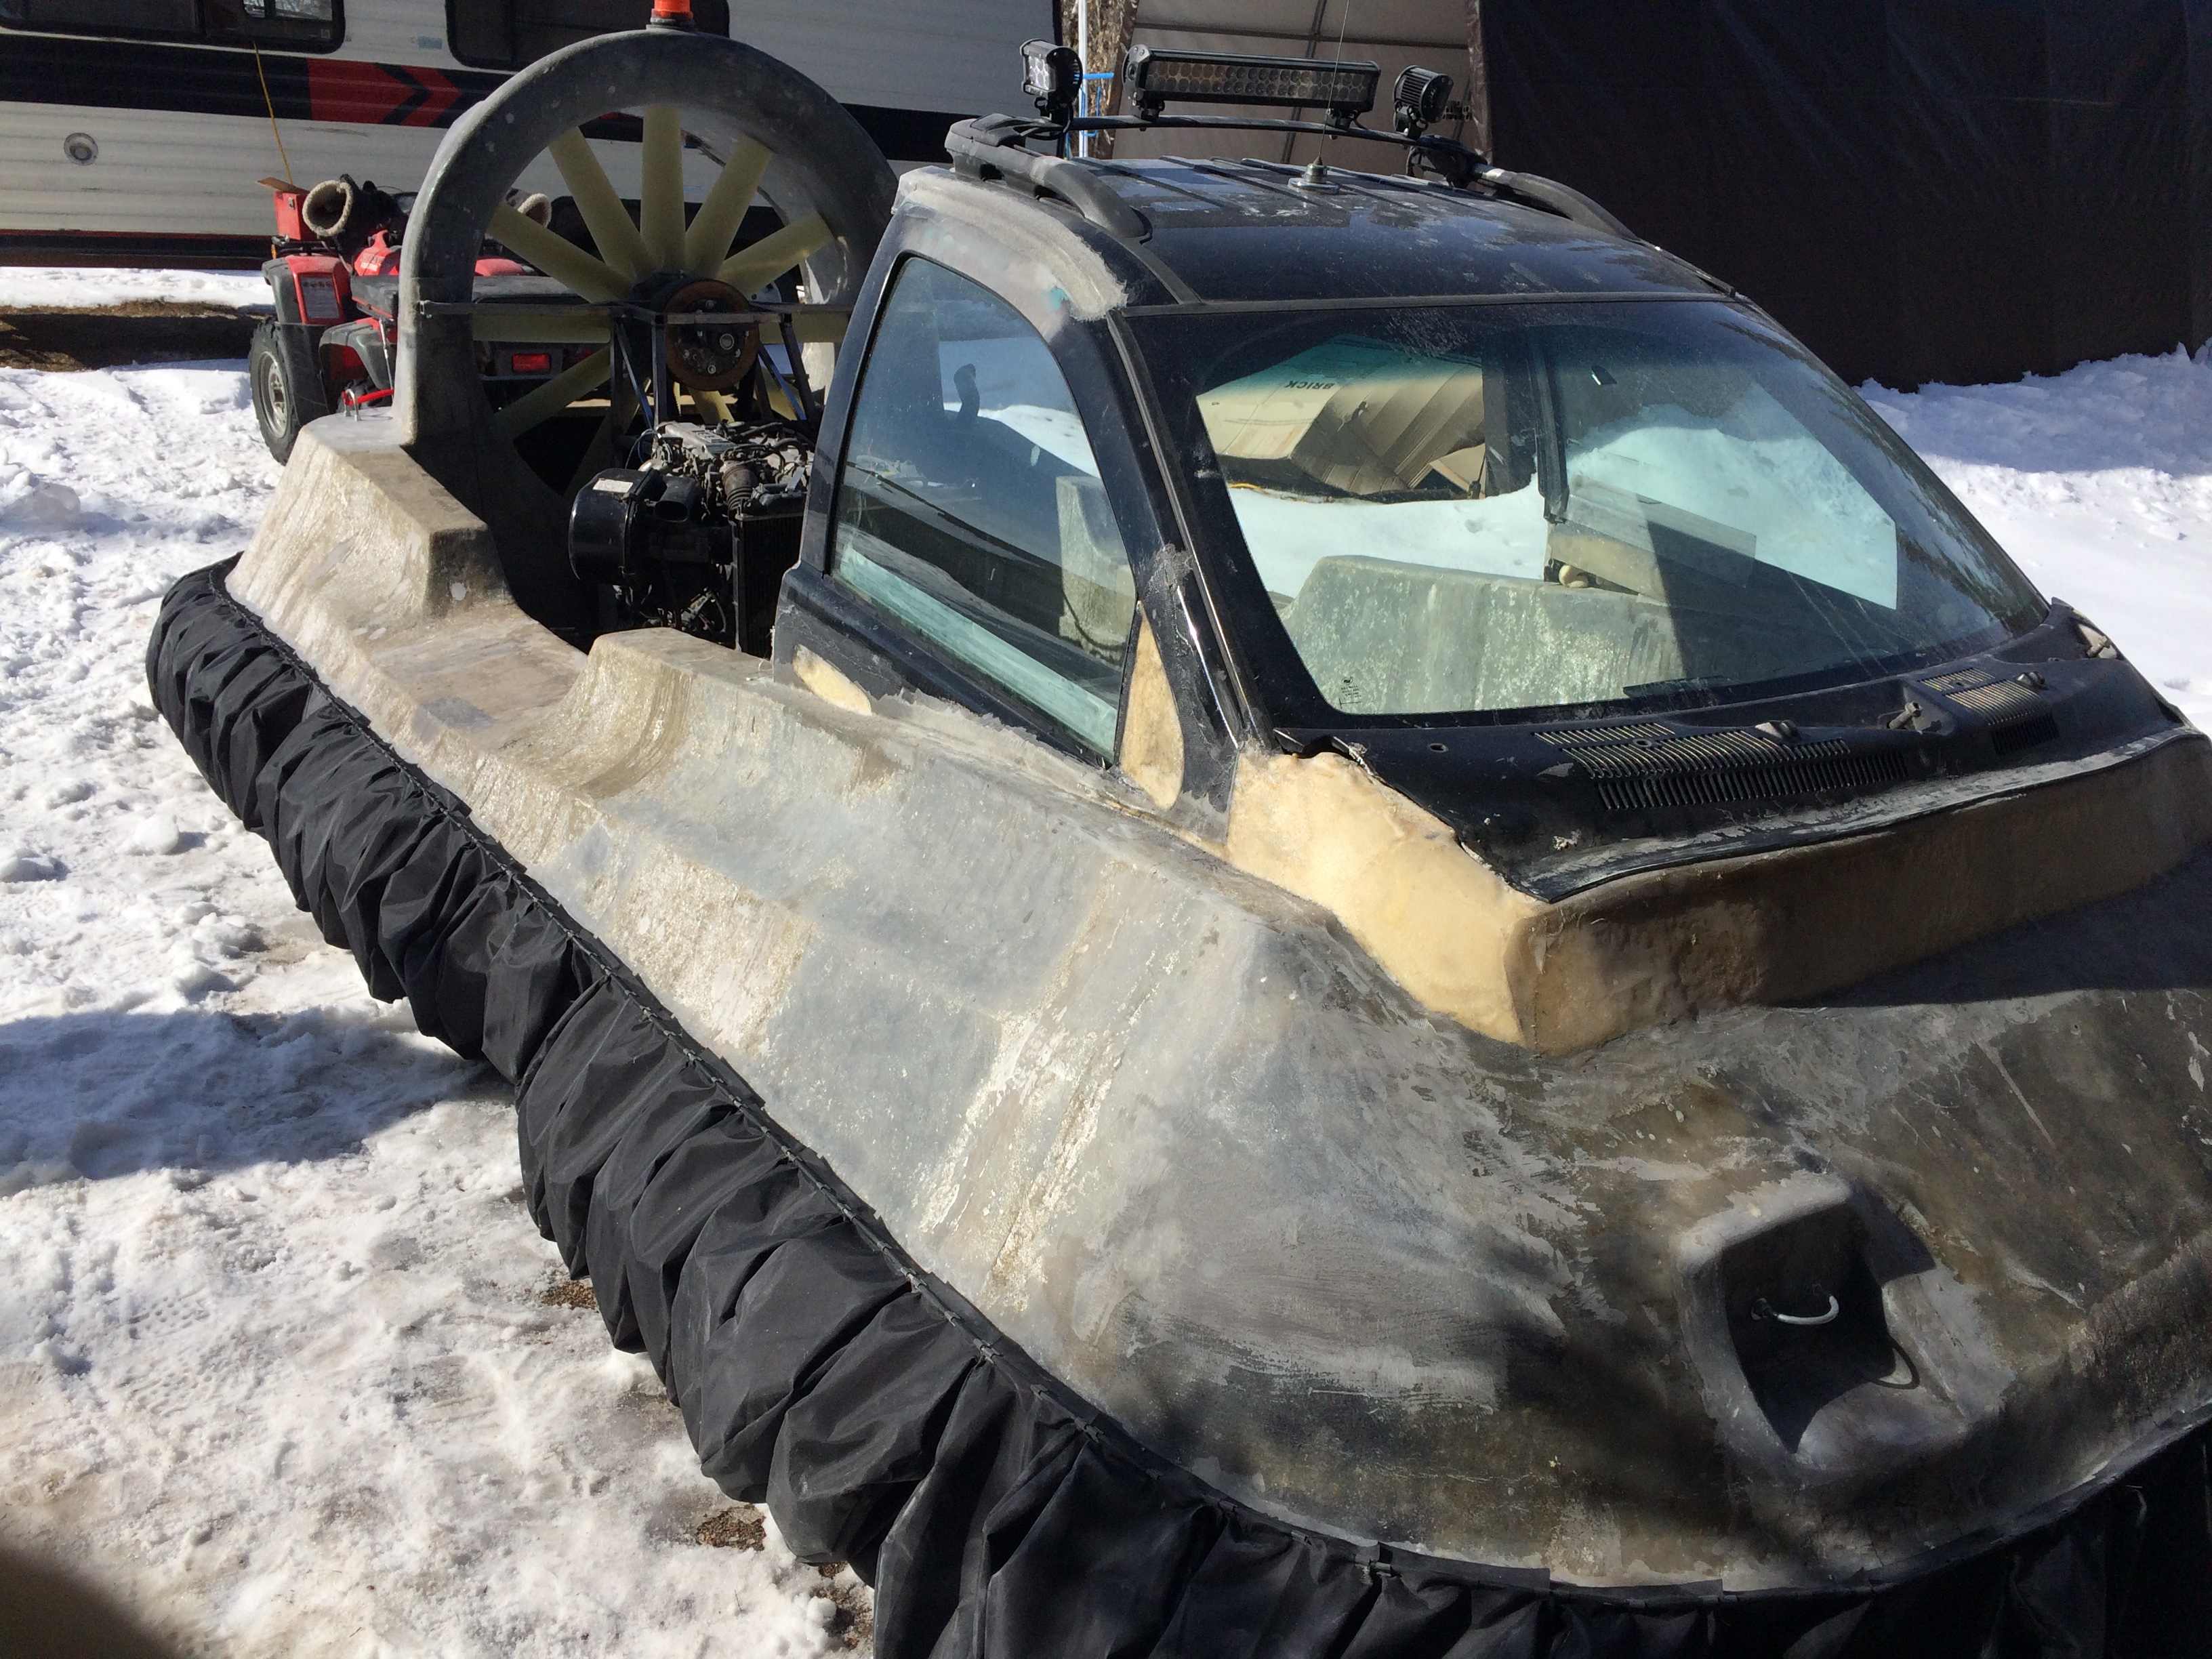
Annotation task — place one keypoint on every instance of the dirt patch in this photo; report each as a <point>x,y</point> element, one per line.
<point>135,332</point>
<point>738,1527</point>
<point>570,1293</point>
<point>853,1624</point>
<point>140,308</point>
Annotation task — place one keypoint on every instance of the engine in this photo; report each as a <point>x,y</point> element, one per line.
<point>698,538</point>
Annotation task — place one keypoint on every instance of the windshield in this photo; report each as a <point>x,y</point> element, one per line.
<point>1522,506</point>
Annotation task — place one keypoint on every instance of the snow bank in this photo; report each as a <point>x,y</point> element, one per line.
<point>273,1355</point>
<point>274,1361</point>
<point>27,287</point>
<point>2099,482</point>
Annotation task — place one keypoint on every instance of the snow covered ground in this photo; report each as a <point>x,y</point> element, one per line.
<point>275,1362</point>
<point>31,288</point>
<point>274,1355</point>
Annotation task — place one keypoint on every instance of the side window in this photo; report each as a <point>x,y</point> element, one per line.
<point>307,25</point>
<point>311,23</point>
<point>509,35</point>
<point>176,17</point>
<point>970,509</point>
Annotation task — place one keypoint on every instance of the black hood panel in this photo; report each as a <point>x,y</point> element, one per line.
<point>1561,805</point>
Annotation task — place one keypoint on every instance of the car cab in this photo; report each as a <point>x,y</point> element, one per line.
<point>1183,466</point>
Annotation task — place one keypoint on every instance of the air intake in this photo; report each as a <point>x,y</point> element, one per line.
<point>1638,767</point>
<point>2016,716</point>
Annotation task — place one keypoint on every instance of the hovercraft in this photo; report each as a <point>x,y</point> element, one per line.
<point>1249,910</point>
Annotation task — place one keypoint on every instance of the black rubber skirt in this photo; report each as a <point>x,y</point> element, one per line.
<point>878,1417</point>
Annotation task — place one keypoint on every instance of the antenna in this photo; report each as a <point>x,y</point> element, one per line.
<point>1343,22</point>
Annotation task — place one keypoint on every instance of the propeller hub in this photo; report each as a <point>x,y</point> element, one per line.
<point>709,356</point>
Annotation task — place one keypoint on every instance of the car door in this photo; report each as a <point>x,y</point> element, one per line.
<point>974,548</point>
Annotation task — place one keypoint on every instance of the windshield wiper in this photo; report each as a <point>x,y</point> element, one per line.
<point>1692,683</point>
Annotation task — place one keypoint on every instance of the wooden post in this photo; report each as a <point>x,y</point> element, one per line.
<point>1478,83</point>
<point>1104,28</point>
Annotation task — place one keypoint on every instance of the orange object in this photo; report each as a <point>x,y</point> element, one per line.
<point>671,14</point>
<point>289,198</point>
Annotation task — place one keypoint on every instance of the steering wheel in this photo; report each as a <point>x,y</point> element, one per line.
<point>771,131</point>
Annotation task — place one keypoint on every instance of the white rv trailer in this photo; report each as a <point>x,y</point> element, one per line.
<point>132,131</point>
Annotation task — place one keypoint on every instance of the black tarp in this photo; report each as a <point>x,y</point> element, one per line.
<point>881,1420</point>
<point>1961,191</point>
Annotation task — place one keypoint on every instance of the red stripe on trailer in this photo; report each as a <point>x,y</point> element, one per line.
<point>437,97</point>
<point>382,94</point>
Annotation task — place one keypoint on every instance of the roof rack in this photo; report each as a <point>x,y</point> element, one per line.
<point>1000,144</point>
<point>1154,77</point>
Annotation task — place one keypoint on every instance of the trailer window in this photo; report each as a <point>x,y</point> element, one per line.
<point>311,23</point>
<point>299,25</point>
<point>508,34</point>
<point>970,509</point>
<point>170,17</point>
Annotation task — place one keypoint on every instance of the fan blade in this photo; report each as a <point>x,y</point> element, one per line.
<point>534,408</point>
<point>599,453</point>
<point>661,199</point>
<point>549,326</point>
<point>822,327</point>
<point>557,257</point>
<point>770,257</point>
<point>604,216</point>
<point>707,244</point>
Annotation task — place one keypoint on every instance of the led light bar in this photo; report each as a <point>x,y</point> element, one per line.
<point>1050,74</point>
<point>1151,78</point>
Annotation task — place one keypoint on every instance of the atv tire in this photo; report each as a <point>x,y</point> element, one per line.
<point>288,385</point>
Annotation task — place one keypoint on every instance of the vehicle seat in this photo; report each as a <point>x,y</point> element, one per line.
<point>1382,636</point>
<point>1098,595</point>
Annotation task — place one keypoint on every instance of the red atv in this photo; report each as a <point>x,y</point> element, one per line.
<point>334,270</point>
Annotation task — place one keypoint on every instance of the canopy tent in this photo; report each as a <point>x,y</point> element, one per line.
<point>1922,190</point>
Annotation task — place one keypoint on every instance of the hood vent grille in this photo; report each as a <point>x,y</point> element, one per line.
<point>1638,767</point>
<point>2016,716</point>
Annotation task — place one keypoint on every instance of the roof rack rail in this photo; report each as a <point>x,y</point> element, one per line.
<point>1533,190</point>
<point>994,145</point>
